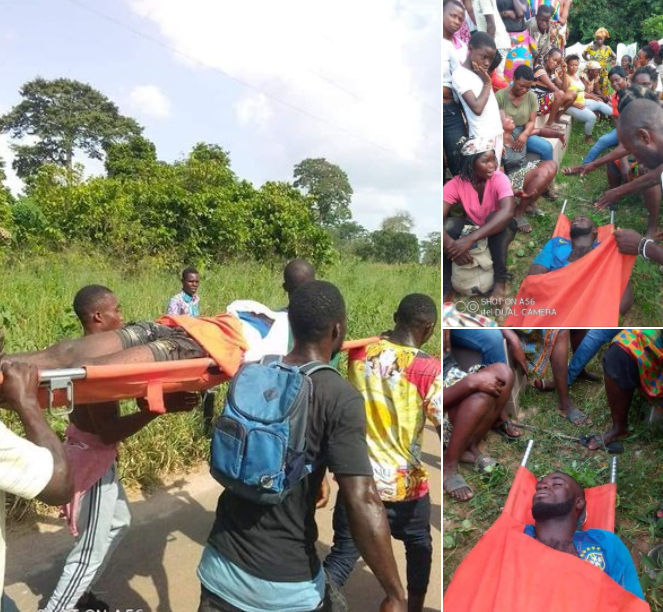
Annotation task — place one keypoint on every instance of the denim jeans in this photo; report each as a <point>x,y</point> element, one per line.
<point>606,141</point>
<point>587,116</point>
<point>594,339</point>
<point>453,130</point>
<point>409,522</point>
<point>489,342</point>
<point>541,147</point>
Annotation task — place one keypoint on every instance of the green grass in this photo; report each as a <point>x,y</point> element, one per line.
<point>35,311</point>
<point>639,477</point>
<point>580,194</point>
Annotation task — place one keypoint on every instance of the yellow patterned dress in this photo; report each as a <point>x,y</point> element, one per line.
<point>601,55</point>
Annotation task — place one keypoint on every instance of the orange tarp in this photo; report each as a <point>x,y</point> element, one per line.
<point>509,571</point>
<point>586,293</point>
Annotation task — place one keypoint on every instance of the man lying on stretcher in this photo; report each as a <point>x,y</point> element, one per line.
<point>557,506</point>
<point>559,252</point>
<point>248,331</point>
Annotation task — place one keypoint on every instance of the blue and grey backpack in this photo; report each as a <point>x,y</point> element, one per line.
<point>259,441</point>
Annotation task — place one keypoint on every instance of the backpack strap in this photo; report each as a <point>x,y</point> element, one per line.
<point>315,366</point>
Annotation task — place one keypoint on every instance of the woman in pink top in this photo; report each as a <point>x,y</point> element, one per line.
<point>486,197</point>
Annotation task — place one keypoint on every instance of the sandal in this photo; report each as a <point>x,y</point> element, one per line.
<point>483,463</point>
<point>614,448</point>
<point>503,430</point>
<point>456,483</point>
<point>534,211</point>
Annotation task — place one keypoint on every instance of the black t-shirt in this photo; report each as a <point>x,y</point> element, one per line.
<point>278,542</point>
<point>511,25</point>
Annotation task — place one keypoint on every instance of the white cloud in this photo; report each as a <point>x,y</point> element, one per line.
<point>149,101</point>
<point>355,82</point>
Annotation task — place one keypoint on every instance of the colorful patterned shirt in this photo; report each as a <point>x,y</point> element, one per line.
<point>184,304</point>
<point>401,386</point>
<point>646,347</point>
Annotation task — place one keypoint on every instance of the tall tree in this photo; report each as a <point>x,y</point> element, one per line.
<point>400,221</point>
<point>328,187</point>
<point>63,115</point>
<point>130,158</point>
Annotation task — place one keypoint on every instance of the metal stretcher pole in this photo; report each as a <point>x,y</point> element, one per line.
<point>528,450</point>
<point>561,212</point>
<point>613,471</point>
<point>62,378</point>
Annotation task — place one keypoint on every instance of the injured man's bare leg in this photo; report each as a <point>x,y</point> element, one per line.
<point>87,350</point>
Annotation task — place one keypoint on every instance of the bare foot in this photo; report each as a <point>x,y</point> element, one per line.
<point>574,415</point>
<point>571,170</point>
<point>589,140</point>
<point>499,291</point>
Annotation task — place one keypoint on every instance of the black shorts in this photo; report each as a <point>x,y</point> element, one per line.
<point>166,343</point>
<point>621,367</point>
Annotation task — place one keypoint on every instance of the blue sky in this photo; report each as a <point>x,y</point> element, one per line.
<point>271,81</point>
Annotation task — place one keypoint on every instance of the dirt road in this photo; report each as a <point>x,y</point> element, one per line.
<point>154,568</point>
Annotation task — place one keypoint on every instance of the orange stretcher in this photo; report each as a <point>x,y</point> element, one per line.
<point>585,293</point>
<point>105,383</point>
<point>508,570</point>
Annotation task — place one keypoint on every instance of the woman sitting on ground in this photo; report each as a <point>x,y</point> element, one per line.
<point>486,197</point>
<point>599,52</point>
<point>529,179</point>
<point>549,87</point>
<point>583,109</point>
<point>472,404</point>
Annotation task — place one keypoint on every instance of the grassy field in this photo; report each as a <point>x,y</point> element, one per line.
<point>580,194</point>
<point>639,477</point>
<point>35,310</point>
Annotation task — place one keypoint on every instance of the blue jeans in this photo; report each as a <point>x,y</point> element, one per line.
<point>541,147</point>
<point>586,115</point>
<point>489,342</point>
<point>594,339</point>
<point>409,522</point>
<point>606,141</point>
<point>454,130</point>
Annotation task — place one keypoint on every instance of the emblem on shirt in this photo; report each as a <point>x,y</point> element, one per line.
<point>594,554</point>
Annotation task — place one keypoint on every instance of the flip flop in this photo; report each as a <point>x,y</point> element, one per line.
<point>456,483</point>
<point>502,430</point>
<point>482,464</point>
<point>614,448</point>
<point>575,415</point>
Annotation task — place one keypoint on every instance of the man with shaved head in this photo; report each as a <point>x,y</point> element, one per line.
<point>297,272</point>
<point>557,508</point>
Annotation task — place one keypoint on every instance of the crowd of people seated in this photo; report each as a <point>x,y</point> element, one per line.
<point>502,112</point>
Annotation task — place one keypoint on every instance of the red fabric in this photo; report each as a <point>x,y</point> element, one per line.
<point>509,571</point>
<point>497,82</point>
<point>586,293</point>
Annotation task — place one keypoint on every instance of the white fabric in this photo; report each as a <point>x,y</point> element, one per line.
<point>488,124</point>
<point>451,59</point>
<point>489,7</point>
<point>25,470</point>
<point>276,340</point>
<point>622,50</point>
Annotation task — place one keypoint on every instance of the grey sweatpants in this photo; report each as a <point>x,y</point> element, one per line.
<point>103,519</point>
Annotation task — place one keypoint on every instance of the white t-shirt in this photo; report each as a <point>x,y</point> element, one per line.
<point>451,59</point>
<point>25,470</point>
<point>488,124</point>
<point>275,323</point>
<point>489,7</point>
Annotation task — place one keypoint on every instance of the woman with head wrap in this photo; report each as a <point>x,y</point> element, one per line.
<point>487,202</point>
<point>604,55</point>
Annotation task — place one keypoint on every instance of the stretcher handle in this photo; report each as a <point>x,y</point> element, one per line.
<point>528,450</point>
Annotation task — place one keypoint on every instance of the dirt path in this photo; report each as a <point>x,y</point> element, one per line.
<point>154,568</point>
